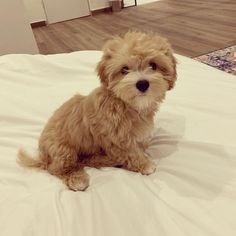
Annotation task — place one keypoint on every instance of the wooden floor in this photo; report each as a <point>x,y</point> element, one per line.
<point>194,27</point>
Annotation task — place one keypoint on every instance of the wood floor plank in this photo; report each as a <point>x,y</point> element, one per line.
<point>194,27</point>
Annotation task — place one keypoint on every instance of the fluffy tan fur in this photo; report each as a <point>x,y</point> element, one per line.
<point>109,126</point>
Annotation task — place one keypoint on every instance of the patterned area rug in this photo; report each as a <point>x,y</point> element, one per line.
<point>223,59</point>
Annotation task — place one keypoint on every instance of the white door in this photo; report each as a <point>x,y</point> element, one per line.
<point>61,10</point>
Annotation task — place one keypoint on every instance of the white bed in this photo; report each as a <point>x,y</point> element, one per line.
<point>193,192</point>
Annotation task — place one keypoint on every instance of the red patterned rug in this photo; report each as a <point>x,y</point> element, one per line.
<point>223,59</point>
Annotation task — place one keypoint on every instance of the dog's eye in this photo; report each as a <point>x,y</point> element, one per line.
<point>125,70</point>
<point>153,65</point>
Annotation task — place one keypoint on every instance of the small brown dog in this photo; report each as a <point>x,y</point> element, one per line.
<point>109,126</point>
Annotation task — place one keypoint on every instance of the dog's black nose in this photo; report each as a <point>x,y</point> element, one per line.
<point>142,85</point>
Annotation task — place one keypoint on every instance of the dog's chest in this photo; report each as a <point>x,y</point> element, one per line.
<point>141,129</point>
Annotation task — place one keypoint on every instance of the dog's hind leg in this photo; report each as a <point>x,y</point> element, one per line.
<point>66,166</point>
<point>76,180</point>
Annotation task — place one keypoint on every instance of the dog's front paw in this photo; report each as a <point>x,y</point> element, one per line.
<point>149,168</point>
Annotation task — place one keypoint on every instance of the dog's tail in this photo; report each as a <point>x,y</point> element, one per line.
<point>25,160</point>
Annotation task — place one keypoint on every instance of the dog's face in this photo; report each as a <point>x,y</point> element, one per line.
<point>139,68</point>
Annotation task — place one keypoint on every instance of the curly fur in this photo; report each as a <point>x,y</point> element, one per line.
<point>109,126</point>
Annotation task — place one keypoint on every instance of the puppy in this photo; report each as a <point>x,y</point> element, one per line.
<point>109,126</point>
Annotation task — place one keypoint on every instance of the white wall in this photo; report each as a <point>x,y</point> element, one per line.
<point>98,4</point>
<point>61,10</point>
<point>35,10</point>
<point>16,33</point>
<point>141,2</point>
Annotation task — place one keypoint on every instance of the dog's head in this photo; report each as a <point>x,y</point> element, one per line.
<point>139,68</point>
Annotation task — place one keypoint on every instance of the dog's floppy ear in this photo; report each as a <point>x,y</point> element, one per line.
<point>174,72</point>
<point>162,45</point>
<point>171,74</point>
<point>101,69</point>
<point>110,47</point>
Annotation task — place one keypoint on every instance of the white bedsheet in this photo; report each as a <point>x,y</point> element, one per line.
<point>193,192</point>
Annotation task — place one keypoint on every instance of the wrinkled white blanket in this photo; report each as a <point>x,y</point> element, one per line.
<point>193,192</point>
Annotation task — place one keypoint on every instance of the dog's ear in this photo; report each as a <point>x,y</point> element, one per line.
<point>174,72</point>
<point>109,48</point>
<point>171,73</point>
<point>162,45</point>
<point>101,68</point>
